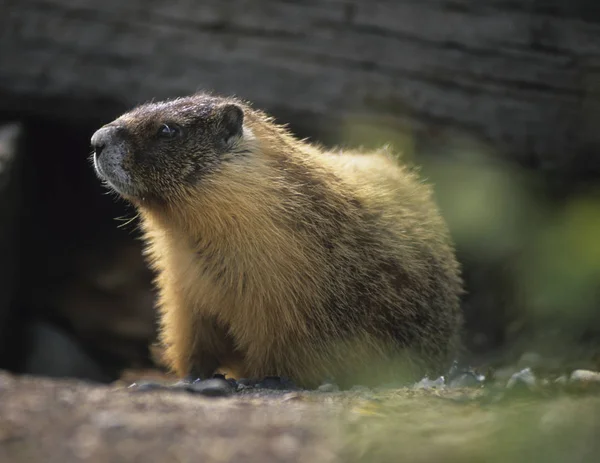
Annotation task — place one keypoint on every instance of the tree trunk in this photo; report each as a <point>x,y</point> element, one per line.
<point>522,75</point>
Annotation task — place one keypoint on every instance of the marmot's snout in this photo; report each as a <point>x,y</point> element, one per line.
<point>110,150</point>
<point>104,137</point>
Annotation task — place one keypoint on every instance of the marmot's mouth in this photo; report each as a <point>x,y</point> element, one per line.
<point>126,190</point>
<point>97,167</point>
<point>115,178</point>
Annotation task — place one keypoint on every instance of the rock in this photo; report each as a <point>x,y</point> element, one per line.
<point>463,377</point>
<point>292,396</point>
<point>182,384</point>
<point>246,382</point>
<point>232,382</point>
<point>427,383</point>
<point>136,375</point>
<point>214,387</point>
<point>585,376</point>
<point>328,387</point>
<point>561,380</point>
<point>522,378</point>
<point>243,387</point>
<point>145,386</point>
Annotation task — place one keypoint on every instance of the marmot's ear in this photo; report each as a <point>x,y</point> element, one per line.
<point>230,124</point>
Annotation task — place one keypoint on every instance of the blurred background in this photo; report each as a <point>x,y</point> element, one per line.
<point>497,100</point>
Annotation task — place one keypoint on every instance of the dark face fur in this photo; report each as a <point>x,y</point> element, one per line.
<point>157,150</point>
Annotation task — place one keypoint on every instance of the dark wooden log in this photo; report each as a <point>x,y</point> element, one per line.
<point>523,75</point>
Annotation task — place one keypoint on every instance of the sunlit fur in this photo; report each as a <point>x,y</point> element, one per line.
<point>285,259</point>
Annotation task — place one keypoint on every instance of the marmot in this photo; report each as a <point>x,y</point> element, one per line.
<point>277,257</point>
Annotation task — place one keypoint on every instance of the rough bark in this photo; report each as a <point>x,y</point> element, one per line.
<point>520,74</point>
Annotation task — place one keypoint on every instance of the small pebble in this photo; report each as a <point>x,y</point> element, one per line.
<point>191,379</point>
<point>232,382</point>
<point>181,385</point>
<point>214,387</point>
<point>427,383</point>
<point>561,380</point>
<point>585,376</point>
<point>145,386</point>
<point>328,387</point>
<point>521,378</point>
<point>246,382</point>
<point>242,387</point>
<point>291,396</point>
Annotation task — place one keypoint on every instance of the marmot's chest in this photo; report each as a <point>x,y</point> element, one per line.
<point>234,281</point>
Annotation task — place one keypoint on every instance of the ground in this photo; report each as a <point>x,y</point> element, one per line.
<point>70,421</point>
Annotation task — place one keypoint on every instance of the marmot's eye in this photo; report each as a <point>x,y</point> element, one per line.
<point>168,131</point>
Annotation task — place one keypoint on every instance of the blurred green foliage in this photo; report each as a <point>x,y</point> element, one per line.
<point>502,214</point>
<point>427,426</point>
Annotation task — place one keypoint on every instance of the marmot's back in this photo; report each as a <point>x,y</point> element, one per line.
<point>397,267</point>
<point>275,258</point>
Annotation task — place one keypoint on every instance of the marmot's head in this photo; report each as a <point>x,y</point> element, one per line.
<point>158,150</point>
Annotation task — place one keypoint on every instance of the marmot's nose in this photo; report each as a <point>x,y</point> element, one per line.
<point>104,137</point>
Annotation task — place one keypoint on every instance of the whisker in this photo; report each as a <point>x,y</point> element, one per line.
<point>128,221</point>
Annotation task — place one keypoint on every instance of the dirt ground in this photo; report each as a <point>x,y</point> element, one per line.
<point>43,420</point>
<point>64,421</point>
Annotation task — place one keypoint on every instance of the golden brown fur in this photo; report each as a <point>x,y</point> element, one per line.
<point>288,260</point>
